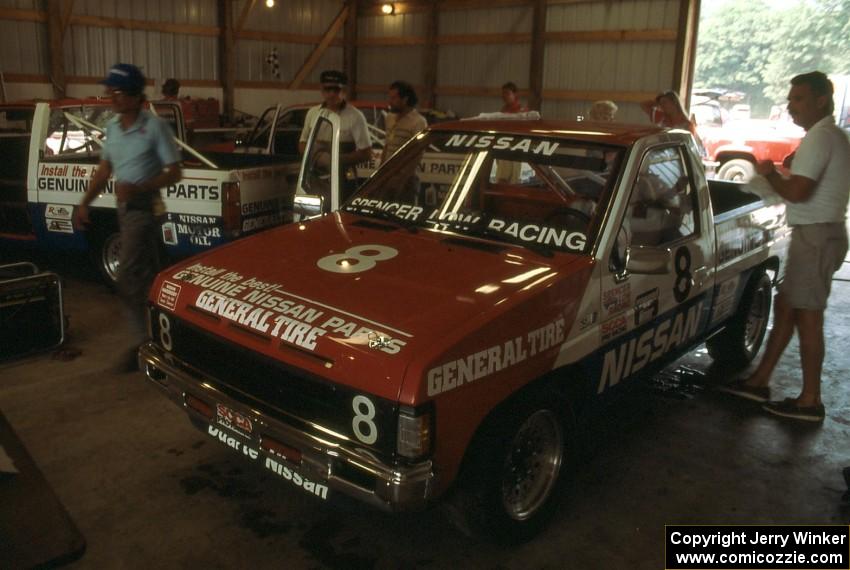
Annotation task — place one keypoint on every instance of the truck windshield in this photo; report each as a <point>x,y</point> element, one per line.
<point>542,193</point>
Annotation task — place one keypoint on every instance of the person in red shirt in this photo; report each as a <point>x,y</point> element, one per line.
<point>511,99</point>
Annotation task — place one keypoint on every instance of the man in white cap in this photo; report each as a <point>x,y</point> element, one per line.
<point>355,144</point>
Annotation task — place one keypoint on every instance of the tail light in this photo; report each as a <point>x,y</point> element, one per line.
<point>232,209</point>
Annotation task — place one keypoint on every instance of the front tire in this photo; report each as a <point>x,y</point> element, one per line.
<point>737,170</point>
<point>740,341</point>
<point>516,472</point>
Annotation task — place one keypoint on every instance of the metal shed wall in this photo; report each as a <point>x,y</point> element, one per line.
<point>576,71</point>
<point>487,64</point>
<point>301,17</point>
<point>23,45</point>
<point>608,66</point>
<point>470,63</point>
<point>378,66</point>
<point>90,50</point>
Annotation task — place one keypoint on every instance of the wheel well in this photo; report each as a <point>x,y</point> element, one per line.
<point>564,384</point>
<point>725,157</point>
<point>772,265</point>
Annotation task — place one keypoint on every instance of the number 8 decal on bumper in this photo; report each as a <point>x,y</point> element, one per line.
<point>357,259</point>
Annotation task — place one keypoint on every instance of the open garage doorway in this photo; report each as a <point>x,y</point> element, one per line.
<point>746,54</point>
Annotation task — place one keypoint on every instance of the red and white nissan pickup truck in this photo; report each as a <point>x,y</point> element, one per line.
<point>434,339</point>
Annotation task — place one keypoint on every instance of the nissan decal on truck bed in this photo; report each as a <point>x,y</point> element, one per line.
<point>437,339</point>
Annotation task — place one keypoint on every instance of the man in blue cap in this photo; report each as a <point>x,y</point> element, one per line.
<point>139,152</point>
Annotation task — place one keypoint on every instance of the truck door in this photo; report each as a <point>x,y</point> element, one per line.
<point>656,300</point>
<point>318,190</point>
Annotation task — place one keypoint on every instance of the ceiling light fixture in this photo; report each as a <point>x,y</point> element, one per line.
<point>270,3</point>
<point>387,9</point>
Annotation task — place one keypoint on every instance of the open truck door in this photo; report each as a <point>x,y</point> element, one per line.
<point>318,190</point>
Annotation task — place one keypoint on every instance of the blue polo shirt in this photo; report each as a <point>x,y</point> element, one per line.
<point>140,152</point>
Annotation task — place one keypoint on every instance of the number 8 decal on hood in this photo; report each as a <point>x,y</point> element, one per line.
<point>357,259</point>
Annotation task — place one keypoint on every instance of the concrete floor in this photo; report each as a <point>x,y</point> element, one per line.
<point>148,490</point>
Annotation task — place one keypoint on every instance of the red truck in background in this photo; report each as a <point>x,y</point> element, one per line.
<point>733,145</point>
<point>733,149</point>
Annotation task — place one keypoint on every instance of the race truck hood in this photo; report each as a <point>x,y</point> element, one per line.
<point>350,299</point>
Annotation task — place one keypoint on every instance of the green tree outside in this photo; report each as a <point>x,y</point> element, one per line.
<point>756,46</point>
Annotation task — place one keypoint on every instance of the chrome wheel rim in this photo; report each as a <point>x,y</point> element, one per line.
<point>532,464</point>
<point>756,319</point>
<point>110,253</point>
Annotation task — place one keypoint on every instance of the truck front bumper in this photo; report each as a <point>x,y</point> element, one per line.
<point>313,455</point>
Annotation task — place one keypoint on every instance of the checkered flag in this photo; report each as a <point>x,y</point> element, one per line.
<point>272,61</point>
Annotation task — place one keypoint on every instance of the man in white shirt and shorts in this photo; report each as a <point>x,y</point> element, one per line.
<point>816,195</point>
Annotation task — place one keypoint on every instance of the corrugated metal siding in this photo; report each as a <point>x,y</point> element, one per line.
<point>483,65</point>
<point>495,20</point>
<point>23,47</point>
<point>287,16</point>
<point>383,65</point>
<point>388,26</point>
<point>22,4</point>
<point>251,60</point>
<point>623,15</point>
<point>89,50</point>
<point>311,17</point>
<point>195,12</point>
<point>487,65</point>
<point>609,66</point>
<point>621,66</point>
<point>615,66</point>
<point>571,66</point>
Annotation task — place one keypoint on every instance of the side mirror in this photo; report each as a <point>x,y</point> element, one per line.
<point>307,206</point>
<point>645,260</point>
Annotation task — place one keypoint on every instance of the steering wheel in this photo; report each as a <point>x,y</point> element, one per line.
<point>558,215</point>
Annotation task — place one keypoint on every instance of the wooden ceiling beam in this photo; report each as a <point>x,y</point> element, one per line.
<point>317,53</point>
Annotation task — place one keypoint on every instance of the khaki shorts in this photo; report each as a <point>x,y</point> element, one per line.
<point>816,252</point>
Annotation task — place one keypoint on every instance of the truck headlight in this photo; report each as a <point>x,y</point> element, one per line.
<point>415,431</point>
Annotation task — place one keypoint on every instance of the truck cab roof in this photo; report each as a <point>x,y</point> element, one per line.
<point>619,134</point>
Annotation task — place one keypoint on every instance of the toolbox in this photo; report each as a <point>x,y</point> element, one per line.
<point>31,313</point>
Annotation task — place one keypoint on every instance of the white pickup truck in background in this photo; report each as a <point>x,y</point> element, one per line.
<point>51,150</point>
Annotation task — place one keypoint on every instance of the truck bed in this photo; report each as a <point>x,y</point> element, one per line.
<point>727,197</point>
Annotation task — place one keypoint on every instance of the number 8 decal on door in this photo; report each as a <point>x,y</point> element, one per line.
<point>357,259</point>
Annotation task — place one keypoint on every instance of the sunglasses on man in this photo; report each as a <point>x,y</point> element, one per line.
<point>331,88</point>
<point>118,93</point>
